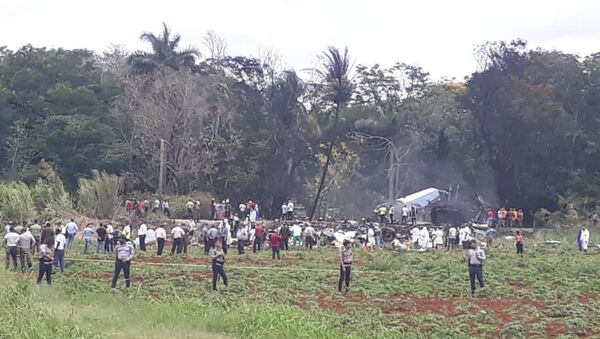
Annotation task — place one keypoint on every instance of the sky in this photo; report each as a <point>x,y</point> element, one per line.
<point>439,36</point>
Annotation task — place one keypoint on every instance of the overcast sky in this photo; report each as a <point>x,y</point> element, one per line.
<point>436,35</point>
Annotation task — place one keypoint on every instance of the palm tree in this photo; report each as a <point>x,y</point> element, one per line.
<point>164,52</point>
<point>338,89</point>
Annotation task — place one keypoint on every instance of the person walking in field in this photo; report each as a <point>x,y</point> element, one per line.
<point>290,210</point>
<point>36,231</point>
<point>101,235</point>
<point>490,234</point>
<point>110,246</point>
<point>177,233</point>
<point>452,235</point>
<point>284,211</point>
<point>160,235</point>
<point>259,233</point>
<point>87,236</point>
<point>72,229</point>
<point>60,243</point>
<point>345,266</point>
<point>142,231</point>
<point>584,238</point>
<point>464,235</point>
<point>217,256</point>
<point>242,237</point>
<point>309,237</point>
<point>46,260</point>
<point>438,240</point>
<point>213,236</point>
<point>475,259</point>
<point>11,242</point>
<point>26,243</point>
<point>127,232</point>
<point>275,240</point>
<point>284,232</point>
<point>123,255</point>
<point>519,242</point>
<point>296,231</point>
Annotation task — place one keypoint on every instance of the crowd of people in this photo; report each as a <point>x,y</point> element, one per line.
<point>51,244</point>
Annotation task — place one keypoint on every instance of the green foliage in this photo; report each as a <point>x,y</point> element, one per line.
<point>16,202</point>
<point>100,196</point>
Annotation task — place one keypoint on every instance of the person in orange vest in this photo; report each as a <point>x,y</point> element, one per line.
<point>515,217</point>
<point>520,216</point>
<point>490,217</point>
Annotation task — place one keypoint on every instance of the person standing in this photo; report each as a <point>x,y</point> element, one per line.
<point>242,210</point>
<point>26,243</point>
<point>519,243</point>
<point>391,213</point>
<point>213,209</point>
<point>464,234</point>
<point>275,240</point>
<point>452,233</point>
<point>218,261</point>
<point>142,231</point>
<point>242,237</point>
<point>60,242</point>
<point>475,259</point>
<point>284,232</point>
<point>46,261</point>
<point>156,206</point>
<point>123,255</point>
<point>584,238</point>
<point>296,235</point>
<point>47,235</point>
<point>72,229</point>
<point>290,210</point>
<point>166,209</point>
<point>11,241</point>
<point>259,233</point>
<point>213,236</point>
<point>309,237</point>
<point>127,232</point>
<point>405,212</point>
<point>382,212</point>
<point>160,234</point>
<point>490,234</point>
<point>284,211</point>
<point>36,231</point>
<point>146,206</point>
<point>413,215</point>
<point>87,236</point>
<point>101,242</point>
<point>110,246</point>
<point>377,237</point>
<point>224,232</point>
<point>345,266</point>
<point>414,235</point>
<point>438,240</point>
<point>189,206</point>
<point>177,233</point>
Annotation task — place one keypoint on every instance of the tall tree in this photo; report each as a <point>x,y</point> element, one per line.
<point>337,89</point>
<point>165,52</point>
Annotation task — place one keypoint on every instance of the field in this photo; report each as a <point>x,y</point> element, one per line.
<point>549,293</point>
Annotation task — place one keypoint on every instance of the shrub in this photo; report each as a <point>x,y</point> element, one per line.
<point>100,196</point>
<point>16,202</point>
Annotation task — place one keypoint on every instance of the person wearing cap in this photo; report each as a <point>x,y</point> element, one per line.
<point>26,242</point>
<point>345,265</point>
<point>123,255</point>
<point>11,242</point>
<point>177,232</point>
<point>217,256</point>
<point>475,259</point>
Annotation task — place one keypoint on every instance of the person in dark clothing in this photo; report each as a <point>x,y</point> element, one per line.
<point>101,233</point>
<point>218,261</point>
<point>213,209</point>
<point>475,258</point>
<point>285,236</point>
<point>46,261</point>
<point>47,234</point>
<point>123,255</point>
<point>345,266</point>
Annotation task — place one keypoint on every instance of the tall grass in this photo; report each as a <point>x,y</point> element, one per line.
<point>16,202</point>
<point>100,196</point>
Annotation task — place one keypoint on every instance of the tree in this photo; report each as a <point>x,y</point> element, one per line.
<point>338,90</point>
<point>191,112</point>
<point>165,52</point>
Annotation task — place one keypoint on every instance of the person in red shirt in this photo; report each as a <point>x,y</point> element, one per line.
<point>275,244</point>
<point>490,217</point>
<point>519,241</point>
<point>259,233</point>
<point>128,205</point>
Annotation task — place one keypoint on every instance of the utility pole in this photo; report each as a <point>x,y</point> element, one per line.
<point>161,171</point>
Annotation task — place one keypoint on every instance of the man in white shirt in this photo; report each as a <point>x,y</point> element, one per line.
<point>414,235</point>
<point>464,235</point>
<point>110,242</point>
<point>177,233</point>
<point>26,243</point>
<point>189,206</point>
<point>290,210</point>
<point>452,238</point>
<point>424,238</point>
<point>71,229</point>
<point>11,241</point>
<point>405,212</point>
<point>296,235</point>
<point>584,238</point>
<point>284,211</point>
<point>60,242</point>
<point>161,235</point>
<point>309,237</point>
<point>242,209</point>
<point>8,226</point>
<point>156,206</point>
<point>142,236</point>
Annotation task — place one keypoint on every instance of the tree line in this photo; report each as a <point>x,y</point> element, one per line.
<point>523,130</point>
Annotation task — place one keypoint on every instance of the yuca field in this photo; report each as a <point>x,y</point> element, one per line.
<point>552,292</point>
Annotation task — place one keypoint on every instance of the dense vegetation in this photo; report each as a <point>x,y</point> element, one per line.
<point>522,131</point>
<point>550,292</point>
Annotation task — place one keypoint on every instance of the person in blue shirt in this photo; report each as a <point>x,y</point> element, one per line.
<point>71,231</point>
<point>88,234</point>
